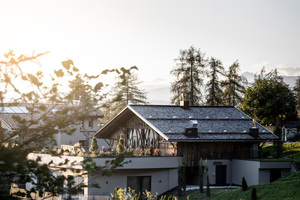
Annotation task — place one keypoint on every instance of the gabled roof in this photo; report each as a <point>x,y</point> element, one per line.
<point>171,122</point>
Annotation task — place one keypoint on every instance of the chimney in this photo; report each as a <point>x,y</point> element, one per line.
<point>253,132</point>
<point>183,102</point>
<point>193,130</point>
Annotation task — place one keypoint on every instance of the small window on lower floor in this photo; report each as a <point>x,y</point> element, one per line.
<point>139,183</point>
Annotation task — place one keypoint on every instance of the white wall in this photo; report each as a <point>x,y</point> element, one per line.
<point>245,168</point>
<point>82,132</point>
<point>162,180</point>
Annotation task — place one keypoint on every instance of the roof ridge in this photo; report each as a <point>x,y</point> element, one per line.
<point>152,105</point>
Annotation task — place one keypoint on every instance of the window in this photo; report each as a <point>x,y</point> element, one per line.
<point>139,183</point>
<point>91,122</point>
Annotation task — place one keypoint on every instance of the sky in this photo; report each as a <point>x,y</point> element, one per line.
<point>149,34</point>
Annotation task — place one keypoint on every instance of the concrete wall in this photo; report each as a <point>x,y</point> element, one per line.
<point>247,169</point>
<point>212,170</point>
<point>264,176</point>
<point>162,180</point>
<point>145,162</point>
<point>257,172</point>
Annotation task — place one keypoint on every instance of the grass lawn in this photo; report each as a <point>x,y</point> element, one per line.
<point>290,150</point>
<point>195,194</point>
<point>286,188</point>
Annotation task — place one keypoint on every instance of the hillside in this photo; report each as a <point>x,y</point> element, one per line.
<point>282,189</point>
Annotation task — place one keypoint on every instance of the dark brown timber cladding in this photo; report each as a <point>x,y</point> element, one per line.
<point>193,151</point>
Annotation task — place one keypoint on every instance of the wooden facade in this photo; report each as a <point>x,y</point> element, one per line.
<point>139,136</point>
<point>193,151</point>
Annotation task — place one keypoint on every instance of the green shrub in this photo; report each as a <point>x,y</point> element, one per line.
<point>253,194</point>
<point>201,176</point>
<point>121,146</point>
<point>207,180</point>
<point>151,150</point>
<point>94,149</point>
<point>244,184</point>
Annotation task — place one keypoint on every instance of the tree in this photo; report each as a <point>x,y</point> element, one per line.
<point>253,194</point>
<point>125,91</point>
<point>201,172</point>
<point>188,73</point>
<point>94,149</point>
<point>244,184</point>
<point>207,180</point>
<point>234,85</point>
<point>180,180</point>
<point>297,91</point>
<point>151,149</point>
<point>278,132</point>
<point>213,87</point>
<point>19,88</point>
<point>121,145</point>
<point>269,98</point>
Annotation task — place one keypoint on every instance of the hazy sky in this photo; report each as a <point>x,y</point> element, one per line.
<point>149,34</point>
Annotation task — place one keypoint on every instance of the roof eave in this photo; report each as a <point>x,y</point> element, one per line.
<point>149,123</point>
<point>223,140</point>
<point>112,119</point>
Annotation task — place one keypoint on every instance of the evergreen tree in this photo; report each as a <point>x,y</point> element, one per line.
<point>188,73</point>
<point>213,87</point>
<point>121,145</point>
<point>234,85</point>
<point>201,171</point>
<point>125,91</point>
<point>94,149</point>
<point>278,144</point>
<point>244,184</point>
<point>253,194</point>
<point>207,180</point>
<point>151,149</point>
<point>180,180</point>
<point>297,91</point>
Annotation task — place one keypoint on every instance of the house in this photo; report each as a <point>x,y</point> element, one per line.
<point>225,136</point>
<point>84,129</point>
<point>181,135</point>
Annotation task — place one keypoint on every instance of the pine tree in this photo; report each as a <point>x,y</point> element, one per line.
<point>151,149</point>
<point>180,181</point>
<point>297,91</point>
<point>94,149</point>
<point>207,180</point>
<point>278,132</point>
<point>253,194</point>
<point>213,87</point>
<point>121,145</point>
<point>125,91</point>
<point>188,76</point>
<point>201,175</point>
<point>244,184</point>
<point>234,86</point>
